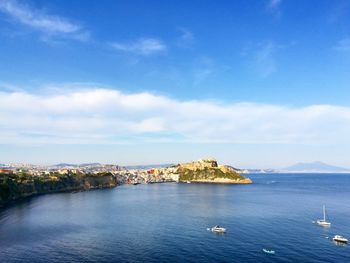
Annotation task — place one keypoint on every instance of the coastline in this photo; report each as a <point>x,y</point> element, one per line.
<point>88,187</point>
<point>19,184</point>
<point>221,181</point>
<point>15,191</point>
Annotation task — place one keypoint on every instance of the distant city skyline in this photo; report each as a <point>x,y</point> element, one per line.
<point>255,84</point>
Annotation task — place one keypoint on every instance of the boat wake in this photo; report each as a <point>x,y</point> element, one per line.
<point>271,182</point>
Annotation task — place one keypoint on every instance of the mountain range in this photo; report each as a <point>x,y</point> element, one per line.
<point>314,167</point>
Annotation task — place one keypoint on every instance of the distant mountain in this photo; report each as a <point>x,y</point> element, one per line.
<point>89,164</point>
<point>314,167</point>
<point>148,166</point>
<point>65,165</point>
<point>259,171</point>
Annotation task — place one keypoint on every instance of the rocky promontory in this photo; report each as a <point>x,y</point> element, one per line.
<point>204,171</point>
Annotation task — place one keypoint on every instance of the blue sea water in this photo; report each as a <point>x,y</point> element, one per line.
<point>168,222</point>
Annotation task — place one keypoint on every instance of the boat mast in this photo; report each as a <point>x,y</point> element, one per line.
<point>324,213</point>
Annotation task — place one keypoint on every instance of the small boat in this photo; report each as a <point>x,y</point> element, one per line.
<point>217,229</point>
<point>323,222</point>
<point>339,238</point>
<point>188,182</point>
<point>269,251</point>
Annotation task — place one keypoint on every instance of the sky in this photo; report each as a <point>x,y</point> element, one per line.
<point>255,84</point>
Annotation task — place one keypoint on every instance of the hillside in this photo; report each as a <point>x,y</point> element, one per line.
<point>18,186</point>
<point>208,171</point>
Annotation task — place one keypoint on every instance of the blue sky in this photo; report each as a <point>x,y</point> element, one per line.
<point>253,83</point>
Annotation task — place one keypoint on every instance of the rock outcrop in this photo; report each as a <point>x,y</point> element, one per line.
<point>206,171</point>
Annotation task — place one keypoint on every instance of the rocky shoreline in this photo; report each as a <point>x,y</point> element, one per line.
<point>223,181</point>
<point>13,187</point>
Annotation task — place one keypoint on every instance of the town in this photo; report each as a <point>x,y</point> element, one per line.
<point>123,175</point>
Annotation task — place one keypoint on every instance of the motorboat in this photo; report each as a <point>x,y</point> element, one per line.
<point>269,251</point>
<point>339,238</point>
<point>217,229</point>
<point>323,221</point>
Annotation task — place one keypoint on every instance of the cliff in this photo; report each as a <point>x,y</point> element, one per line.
<point>14,187</point>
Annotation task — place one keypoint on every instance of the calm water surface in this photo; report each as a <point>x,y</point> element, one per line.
<point>167,223</point>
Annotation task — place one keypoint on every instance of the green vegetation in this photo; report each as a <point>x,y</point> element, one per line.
<point>4,191</point>
<point>16,186</point>
<point>206,173</point>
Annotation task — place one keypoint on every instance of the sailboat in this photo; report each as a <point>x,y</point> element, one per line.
<point>323,222</point>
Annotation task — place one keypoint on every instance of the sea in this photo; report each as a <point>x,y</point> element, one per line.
<point>168,222</point>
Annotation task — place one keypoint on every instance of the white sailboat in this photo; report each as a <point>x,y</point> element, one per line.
<point>323,222</point>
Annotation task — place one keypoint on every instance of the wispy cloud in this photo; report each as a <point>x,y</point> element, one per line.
<point>52,25</point>
<point>343,45</point>
<point>186,38</point>
<point>265,59</point>
<point>273,6</point>
<point>105,116</point>
<point>203,68</point>
<point>4,86</point>
<point>262,57</point>
<point>142,46</point>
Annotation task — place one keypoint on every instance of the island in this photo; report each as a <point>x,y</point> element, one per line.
<point>18,182</point>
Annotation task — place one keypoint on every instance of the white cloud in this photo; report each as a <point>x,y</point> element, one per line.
<point>40,20</point>
<point>142,46</point>
<point>105,116</point>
